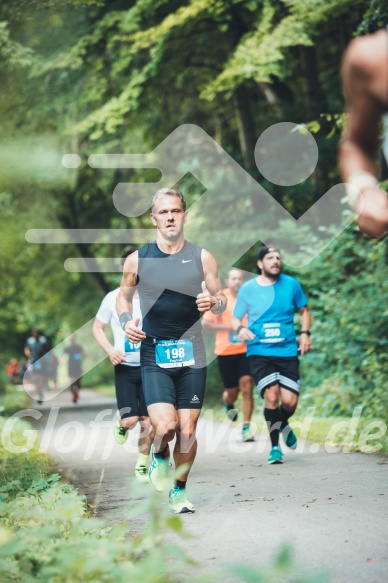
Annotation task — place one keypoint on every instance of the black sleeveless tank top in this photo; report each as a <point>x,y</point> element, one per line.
<point>168,286</point>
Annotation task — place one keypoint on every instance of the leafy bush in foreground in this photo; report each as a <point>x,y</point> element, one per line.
<point>46,534</point>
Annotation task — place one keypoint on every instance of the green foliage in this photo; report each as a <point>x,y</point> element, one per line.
<point>18,471</point>
<point>375,18</point>
<point>13,55</point>
<point>88,77</point>
<point>260,55</point>
<point>330,122</point>
<point>347,285</point>
<point>12,400</point>
<point>48,538</point>
<point>45,533</point>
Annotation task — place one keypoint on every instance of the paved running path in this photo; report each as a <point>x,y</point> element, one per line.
<point>331,508</point>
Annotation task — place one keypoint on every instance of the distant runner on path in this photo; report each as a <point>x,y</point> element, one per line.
<point>34,350</point>
<point>75,354</point>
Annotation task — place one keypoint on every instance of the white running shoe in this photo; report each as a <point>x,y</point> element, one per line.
<point>179,503</point>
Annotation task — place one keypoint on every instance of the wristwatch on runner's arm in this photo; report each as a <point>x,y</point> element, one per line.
<point>306,332</point>
<point>217,306</point>
<point>124,318</point>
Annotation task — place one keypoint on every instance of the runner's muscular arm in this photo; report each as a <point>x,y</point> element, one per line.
<point>125,295</point>
<point>211,286</point>
<point>361,136</point>
<point>305,344</point>
<point>365,83</point>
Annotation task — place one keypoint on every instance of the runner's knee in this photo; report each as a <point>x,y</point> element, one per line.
<point>165,430</point>
<point>187,438</point>
<point>229,396</point>
<point>246,385</point>
<point>289,401</point>
<point>129,422</point>
<point>271,397</point>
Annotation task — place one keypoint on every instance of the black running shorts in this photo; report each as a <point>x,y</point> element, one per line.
<point>183,387</point>
<point>232,368</point>
<point>129,392</point>
<point>272,370</point>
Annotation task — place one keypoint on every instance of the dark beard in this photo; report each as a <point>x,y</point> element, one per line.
<point>271,277</point>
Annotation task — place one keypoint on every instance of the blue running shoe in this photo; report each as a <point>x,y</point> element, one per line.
<point>289,437</point>
<point>275,456</point>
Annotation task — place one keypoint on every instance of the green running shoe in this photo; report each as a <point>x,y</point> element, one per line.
<point>179,503</point>
<point>158,471</point>
<point>120,433</point>
<point>275,456</point>
<point>289,437</point>
<point>247,434</point>
<point>141,474</point>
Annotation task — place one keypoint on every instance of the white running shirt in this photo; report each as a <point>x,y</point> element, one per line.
<point>108,315</point>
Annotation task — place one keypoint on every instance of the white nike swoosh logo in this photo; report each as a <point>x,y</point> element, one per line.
<point>186,260</point>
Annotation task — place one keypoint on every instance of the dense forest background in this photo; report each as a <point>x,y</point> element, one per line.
<point>118,77</point>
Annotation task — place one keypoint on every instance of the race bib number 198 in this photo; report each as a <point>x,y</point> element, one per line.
<point>174,353</point>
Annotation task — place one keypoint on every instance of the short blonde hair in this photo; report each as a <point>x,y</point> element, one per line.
<point>167,192</point>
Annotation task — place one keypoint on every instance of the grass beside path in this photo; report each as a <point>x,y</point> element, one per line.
<point>353,433</point>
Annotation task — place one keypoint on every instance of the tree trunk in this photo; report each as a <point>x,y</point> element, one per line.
<point>70,221</point>
<point>217,130</point>
<point>246,131</point>
<point>314,96</point>
<point>275,93</point>
<point>315,103</point>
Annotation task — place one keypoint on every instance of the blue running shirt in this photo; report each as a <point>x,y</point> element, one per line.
<point>270,310</point>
